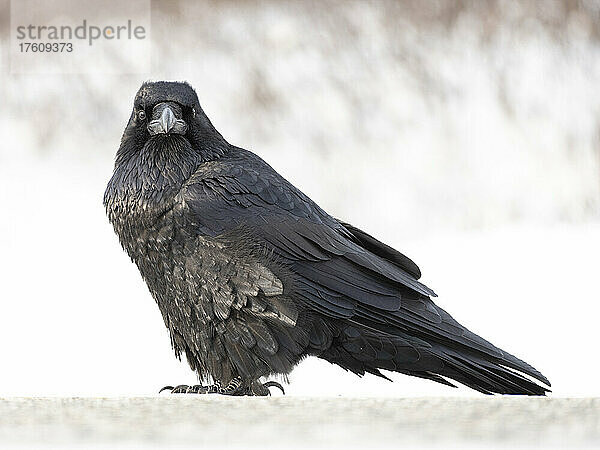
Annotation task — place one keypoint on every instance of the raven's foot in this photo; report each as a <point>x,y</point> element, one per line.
<point>235,387</point>
<point>194,389</point>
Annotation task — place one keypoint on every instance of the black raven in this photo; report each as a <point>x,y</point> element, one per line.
<point>251,275</point>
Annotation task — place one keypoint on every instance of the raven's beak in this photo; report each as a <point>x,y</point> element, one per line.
<point>167,120</point>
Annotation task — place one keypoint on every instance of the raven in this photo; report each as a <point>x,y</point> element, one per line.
<point>251,276</point>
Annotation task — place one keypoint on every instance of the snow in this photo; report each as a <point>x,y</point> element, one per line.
<point>299,422</point>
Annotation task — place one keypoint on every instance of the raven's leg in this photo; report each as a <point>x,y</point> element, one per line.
<point>236,387</point>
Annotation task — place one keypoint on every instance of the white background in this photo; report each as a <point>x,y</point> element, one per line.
<point>467,138</point>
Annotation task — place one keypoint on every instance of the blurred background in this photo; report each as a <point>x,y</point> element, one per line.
<point>464,133</point>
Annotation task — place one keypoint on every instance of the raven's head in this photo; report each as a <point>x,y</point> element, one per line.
<point>165,108</point>
<point>166,139</point>
<point>167,116</point>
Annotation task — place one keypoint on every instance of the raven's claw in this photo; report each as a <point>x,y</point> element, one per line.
<point>269,384</point>
<point>166,388</point>
<point>194,389</point>
<point>235,388</point>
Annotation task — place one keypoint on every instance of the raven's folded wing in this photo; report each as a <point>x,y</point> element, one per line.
<point>339,270</point>
<point>223,196</point>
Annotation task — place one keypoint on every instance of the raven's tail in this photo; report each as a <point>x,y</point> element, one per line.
<point>489,375</point>
<point>465,358</point>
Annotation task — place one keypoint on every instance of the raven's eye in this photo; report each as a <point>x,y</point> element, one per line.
<point>193,112</point>
<point>141,115</point>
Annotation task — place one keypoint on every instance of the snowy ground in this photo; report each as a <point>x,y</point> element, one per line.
<point>301,422</point>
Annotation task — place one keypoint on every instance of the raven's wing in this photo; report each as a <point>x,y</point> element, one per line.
<point>383,250</point>
<point>247,192</point>
<point>339,271</point>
